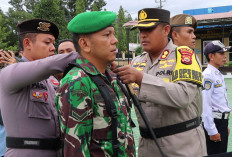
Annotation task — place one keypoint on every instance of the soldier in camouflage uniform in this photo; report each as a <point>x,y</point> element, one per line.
<point>85,123</point>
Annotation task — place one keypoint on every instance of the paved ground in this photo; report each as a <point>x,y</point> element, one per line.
<point>229,94</point>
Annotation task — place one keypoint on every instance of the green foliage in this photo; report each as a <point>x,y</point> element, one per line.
<point>50,10</point>
<point>80,6</point>
<point>138,50</point>
<point>94,7</point>
<point>121,32</point>
<point>229,64</point>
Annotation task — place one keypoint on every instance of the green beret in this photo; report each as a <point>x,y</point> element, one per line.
<point>89,22</point>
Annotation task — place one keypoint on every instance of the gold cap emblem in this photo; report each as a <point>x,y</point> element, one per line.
<point>142,15</point>
<point>43,26</point>
<point>188,20</point>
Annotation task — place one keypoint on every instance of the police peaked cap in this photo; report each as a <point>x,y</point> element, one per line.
<point>38,26</point>
<point>89,22</point>
<point>182,20</point>
<point>150,17</point>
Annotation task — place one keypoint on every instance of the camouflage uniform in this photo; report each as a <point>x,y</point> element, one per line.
<point>84,121</point>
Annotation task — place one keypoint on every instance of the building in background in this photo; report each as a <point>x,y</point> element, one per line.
<point>214,23</point>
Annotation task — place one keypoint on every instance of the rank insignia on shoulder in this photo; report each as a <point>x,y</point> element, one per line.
<point>208,84</point>
<point>165,54</point>
<point>37,95</point>
<point>186,54</point>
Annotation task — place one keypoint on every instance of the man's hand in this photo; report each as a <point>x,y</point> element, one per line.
<point>129,74</point>
<point>7,57</point>
<point>215,138</point>
<point>113,65</point>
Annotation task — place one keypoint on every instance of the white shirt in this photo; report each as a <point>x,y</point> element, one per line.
<point>214,97</point>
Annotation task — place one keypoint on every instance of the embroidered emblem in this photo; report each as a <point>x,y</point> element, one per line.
<point>43,26</point>
<point>218,85</point>
<point>186,55</point>
<point>45,96</point>
<point>208,84</point>
<point>79,117</point>
<point>142,15</point>
<point>188,20</point>
<point>37,95</point>
<point>164,54</point>
<point>55,82</point>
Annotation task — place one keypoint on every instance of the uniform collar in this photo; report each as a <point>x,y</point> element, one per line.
<point>167,50</point>
<point>25,59</point>
<point>215,70</point>
<point>90,68</point>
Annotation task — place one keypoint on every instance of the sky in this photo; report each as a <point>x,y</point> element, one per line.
<point>133,6</point>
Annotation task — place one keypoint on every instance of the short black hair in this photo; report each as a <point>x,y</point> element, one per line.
<point>65,40</point>
<point>31,36</point>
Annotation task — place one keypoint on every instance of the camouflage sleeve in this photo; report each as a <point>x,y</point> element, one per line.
<point>73,102</point>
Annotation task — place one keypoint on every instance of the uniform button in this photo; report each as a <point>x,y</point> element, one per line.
<point>145,96</point>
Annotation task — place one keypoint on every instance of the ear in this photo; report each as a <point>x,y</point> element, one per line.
<point>27,43</point>
<point>85,44</point>
<point>211,56</point>
<point>167,29</point>
<point>174,35</point>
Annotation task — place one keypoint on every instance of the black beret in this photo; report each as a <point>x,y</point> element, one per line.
<point>38,26</point>
<point>150,17</point>
<point>183,20</point>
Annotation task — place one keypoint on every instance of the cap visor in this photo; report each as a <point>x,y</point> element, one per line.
<point>144,25</point>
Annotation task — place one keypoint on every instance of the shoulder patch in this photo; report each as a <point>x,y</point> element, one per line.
<point>186,54</point>
<point>208,84</point>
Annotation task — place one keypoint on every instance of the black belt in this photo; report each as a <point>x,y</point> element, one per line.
<point>171,129</point>
<point>34,143</point>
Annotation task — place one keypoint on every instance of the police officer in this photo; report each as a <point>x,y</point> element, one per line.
<point>27,95</point>
<point>168,84</point>
<point>216,109</point>
<point>90,124</point>
<point>182,30</point>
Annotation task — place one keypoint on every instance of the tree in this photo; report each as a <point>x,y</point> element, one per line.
<point>94,7</point>
<point>120,31</point>
<point>80,6</point>
<point>50,10</point>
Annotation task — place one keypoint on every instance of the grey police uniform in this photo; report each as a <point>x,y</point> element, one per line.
<point>27,103</point>
<point>167,103</point>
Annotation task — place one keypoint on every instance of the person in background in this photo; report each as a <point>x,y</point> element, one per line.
<point>168,82</point>
<point>65,46</point>
<point>27,95</point>
<point>90,124</point>
<point>216,109</point>
<point>182,30</point>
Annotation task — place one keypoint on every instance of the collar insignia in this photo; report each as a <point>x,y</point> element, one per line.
<point>142,15</point>
<point>37,95</point>
<point>164,54</point>
<point>43,26</point>
<point>188,20</point>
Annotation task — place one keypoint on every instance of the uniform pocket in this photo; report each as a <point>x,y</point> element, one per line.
<point>38,107</point>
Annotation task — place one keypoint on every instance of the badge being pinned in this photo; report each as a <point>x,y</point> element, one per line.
<point>37,95</point>
<point>186,55</point>
<point>55,82</point>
